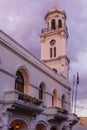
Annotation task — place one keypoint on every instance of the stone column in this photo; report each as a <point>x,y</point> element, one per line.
<point>33,119</point>
<point>71,127</point>
<point>5,117</point>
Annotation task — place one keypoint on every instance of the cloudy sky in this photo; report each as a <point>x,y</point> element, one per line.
<point>24,19</point>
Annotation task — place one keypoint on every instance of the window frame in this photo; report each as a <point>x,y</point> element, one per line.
<point>19,82</point>
<point>52,48</point>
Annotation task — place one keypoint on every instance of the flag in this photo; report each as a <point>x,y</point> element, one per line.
<point>77,78</point>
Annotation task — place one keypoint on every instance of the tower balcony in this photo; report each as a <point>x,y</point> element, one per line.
<point>19,102</point>
<point>46,30</point>
<point>57,114</point>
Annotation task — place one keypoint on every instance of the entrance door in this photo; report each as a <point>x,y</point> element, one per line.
<point>18,125</point>
<point>53,128</point>
<point>40,127</point>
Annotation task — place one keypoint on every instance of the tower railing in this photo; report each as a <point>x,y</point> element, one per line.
<point>49,29</point>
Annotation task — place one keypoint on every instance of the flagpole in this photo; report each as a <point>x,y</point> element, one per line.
<point>73,90</point>
<point>75,99</point>
<point>77,82</point>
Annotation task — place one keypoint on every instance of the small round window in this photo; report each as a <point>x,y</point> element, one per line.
<point>52,42</point>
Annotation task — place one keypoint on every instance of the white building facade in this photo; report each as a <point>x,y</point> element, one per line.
<point>35,94</point>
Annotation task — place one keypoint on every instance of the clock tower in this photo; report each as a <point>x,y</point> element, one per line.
<point>54,42</point>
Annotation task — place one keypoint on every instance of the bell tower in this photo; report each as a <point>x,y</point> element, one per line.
<point>54,42</point>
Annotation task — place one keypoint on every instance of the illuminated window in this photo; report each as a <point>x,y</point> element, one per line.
<point>54,98</point>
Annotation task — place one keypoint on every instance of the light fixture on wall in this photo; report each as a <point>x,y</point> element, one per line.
<point>17,126</point>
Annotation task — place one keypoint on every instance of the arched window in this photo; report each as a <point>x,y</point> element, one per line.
<point>54,51</point>
<point>52,42</point>
<point>63,101</point>
<point>53,25</point>
<point>53,48</point>
<point>19,82</point>
<point>55,70</point>
<point>59,23</point>
<point>41,91</point>
<point>18,124</point>
<point>50,52</point>
<point>54,98</point>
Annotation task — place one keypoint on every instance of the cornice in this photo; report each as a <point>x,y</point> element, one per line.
<point>53,12</point>
<point>56,31</point>
<point>58,58</point>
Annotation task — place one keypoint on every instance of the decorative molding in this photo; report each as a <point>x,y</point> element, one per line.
<point>8,73</point>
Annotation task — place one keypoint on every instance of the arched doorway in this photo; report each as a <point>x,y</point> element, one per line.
<point>53,128</point>
<point>40,127</point>
<point>18,125</point>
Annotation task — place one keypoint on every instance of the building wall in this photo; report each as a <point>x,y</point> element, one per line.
<point>33,108</point>
<point>12,61</point>
<point>14,57</point>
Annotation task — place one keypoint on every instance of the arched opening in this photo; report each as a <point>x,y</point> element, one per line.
<point>40,127</point>
<point>54,51</point>
<point>19,82</point>
<point>52,48</point>
<point>41,91</point>
<point>63,101</point>
<point>52,42</point>
<point>54,98</point>
<point>50,52</point>
<point>53,128</point>
<point>55,70</point>
<point>59,23</point>
<point>53,25</point>
<point>22,80</point>
<point>18,125</point>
